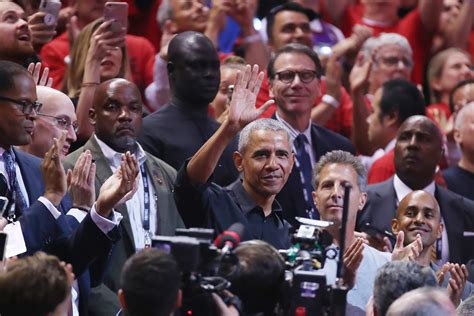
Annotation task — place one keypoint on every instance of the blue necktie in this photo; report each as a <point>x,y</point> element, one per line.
<point>304,165</point>
<point>20,202</point>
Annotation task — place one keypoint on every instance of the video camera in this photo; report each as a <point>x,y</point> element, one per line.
<point>200,261</point>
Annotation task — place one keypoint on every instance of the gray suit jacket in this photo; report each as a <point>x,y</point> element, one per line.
<point>162,177</point>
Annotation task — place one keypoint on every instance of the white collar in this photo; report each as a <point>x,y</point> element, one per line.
<point>402,190</point>
<point>293,132</point>
<point>114,158</point>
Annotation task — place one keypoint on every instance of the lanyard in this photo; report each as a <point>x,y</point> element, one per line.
<point>146,200</point>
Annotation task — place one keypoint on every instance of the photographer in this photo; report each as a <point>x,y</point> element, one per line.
<point>150,286</point>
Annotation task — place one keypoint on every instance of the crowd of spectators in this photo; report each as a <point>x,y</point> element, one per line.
<point>207,113</point>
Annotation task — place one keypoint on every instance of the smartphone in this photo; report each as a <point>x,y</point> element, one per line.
<point>3,244</point>
<point>51,8</point>
<point>117,12</point>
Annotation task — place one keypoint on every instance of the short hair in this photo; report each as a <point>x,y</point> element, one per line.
<point>423,301</point>
<point>466,308</point>
<point>33,285</point>
<point>459,119</point>
<point>8,71</point>
<point>289,6</point>
<point>150,282</point>
<point>260,278</point>
<point>265,124</point>
<point>234,62</point>
<point>401,96</point>
<point>435,69</point>
<point>345,158</point>
<point>395,278</point>
<point>165,13</point>
<point>456,88</point>
<point>294,48</point>
<point>383,39</point>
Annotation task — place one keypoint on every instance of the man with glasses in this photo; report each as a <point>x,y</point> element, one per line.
<point>294,74</point>
<point>55,116</point>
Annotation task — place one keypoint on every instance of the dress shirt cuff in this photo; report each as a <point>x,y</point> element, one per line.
<point>105,224</point>
<point>78,214</point>
<point>51,208</point>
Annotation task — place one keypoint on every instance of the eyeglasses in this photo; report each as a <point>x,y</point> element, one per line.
<point>287,76</point>
<point>395,61</point>
<point>63,122</point>
<point>25,106</point>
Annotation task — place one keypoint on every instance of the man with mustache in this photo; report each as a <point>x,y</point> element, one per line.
<point>418,150</point>
<point>56,115</point>
<point>117,117</point>
<point>264,159</point>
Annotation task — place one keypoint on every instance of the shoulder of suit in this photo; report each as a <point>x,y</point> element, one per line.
<point>21,155</point>
<point>444,193</point>
<point>333,138</point>
<point>166,168</point>
<point>381,187</point>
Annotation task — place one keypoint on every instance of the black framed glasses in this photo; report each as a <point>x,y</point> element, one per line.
<point>63,122</point>
<point>25,106</point>
<point>287,76</point>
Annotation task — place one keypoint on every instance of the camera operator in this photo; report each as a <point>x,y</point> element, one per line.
<point>332,173</point>
<point>150,286</point>
<point>259,281</point>
<point>36,285</point>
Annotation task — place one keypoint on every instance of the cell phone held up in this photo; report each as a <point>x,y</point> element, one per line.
<point>118,13</point>
<point>51,8</point>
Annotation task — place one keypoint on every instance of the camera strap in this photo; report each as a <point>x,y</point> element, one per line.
<point>146,209</point>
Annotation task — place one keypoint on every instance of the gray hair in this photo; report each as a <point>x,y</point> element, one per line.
<point>341,157</point>
<point>383,39</point>
<point>395,278</point>
<point>424,301</point>
<point>260,125</point>
<point>165,13</point>
<point>459,120</point>
<point>467,307</point>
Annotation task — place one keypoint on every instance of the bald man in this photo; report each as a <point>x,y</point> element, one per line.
<point>57,115</point>
<point>117,116</point>
<point>419,214</point>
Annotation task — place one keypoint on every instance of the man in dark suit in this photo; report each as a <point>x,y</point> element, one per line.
<point>294,74</point>
<point>117,117</point>
<point>417,152</point>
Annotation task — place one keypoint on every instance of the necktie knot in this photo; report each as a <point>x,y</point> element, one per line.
<point>300,140</point>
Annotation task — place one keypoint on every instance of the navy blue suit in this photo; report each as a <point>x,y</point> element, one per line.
<point>80,244</point>
<point>291,197</point>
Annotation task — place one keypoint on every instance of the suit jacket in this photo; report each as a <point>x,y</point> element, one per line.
<point>456,211</point>
<point>162,177</point>
<point>291,197</point>
<point>80,244</point>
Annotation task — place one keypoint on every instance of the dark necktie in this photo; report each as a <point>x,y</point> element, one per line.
<point>304,165</point>
<point>20,202</point>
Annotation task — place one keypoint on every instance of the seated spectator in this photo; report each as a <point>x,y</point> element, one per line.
<point>260,280</point>
<point>424,301</point>
<point>56,54</point>
<point>393,103</point>
<point>229,68</point>
<point>150,284</point>
<point>460,177</point>
<point>418,215</point>
<point>418,150</point>
<point>57,115</point>
<point>445,70</point>
<point>97,55</point>
<point>461,94</point>
<point>36,285</point>
<point>396,278</point>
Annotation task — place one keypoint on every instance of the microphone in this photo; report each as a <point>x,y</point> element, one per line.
<point>230,238</point>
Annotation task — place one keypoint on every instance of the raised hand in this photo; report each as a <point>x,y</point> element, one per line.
<point>35,70</point>
<point>352,259</point>
<point>53,172</point>
<point>359,76</point>
<point>103,40</point>
<point>119,187</point>
<point>409,252</point>
<point>242,110</point>
<point>81,181</point>
<point>457,281</point>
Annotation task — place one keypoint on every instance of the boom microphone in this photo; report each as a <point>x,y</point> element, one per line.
<point>230,238</point>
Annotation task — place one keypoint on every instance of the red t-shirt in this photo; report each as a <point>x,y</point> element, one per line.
<point>340,122</point>
<point>141,54</point>
<point>410,26</point>
<point>143,23</point>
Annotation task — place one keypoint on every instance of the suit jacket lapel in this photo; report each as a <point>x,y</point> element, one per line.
<point>32,180</point>
<point>103,172</point>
